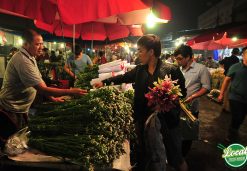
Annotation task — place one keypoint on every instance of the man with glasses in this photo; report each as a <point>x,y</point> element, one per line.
<point>237,76</point>
<point>197,82</point>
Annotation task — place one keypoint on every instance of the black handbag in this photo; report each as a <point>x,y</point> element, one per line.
<point>189,124</point>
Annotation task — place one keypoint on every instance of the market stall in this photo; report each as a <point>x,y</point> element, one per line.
<point>92,131</point>
<point>95,129</point>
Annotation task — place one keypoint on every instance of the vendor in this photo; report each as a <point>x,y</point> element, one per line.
<point>22,80</point>
<point>152,68</point>
<point>77,62</point>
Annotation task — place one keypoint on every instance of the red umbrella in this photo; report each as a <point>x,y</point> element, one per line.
<point>220,38</point>
<point>82,11</point>
<point>231,42</point>
<point>113,27</point>
<point>208,45</point>
<point>92,30</point>
<point>219,41</point>
<point>99,31</point>
<point>205,42</point>
<point>68,13</point>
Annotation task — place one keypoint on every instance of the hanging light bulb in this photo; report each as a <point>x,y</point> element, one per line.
<point>20,41</point>
<point>151,20</point>
<point>62,45</point>
<point>234,39</point>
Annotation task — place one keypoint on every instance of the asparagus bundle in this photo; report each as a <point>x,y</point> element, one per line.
<point>90,130</point>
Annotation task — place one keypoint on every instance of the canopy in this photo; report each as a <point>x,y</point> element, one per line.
<point>94,19</point>
<point>220,38</point>
<point>231,42</point>
<point>92,30</point>
<point>208,45</point>
<point>82,11</point>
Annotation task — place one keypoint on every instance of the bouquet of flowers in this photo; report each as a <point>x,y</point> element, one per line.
<point>164,95</point>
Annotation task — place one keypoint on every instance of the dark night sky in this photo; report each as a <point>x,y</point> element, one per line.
<point>184,15</point>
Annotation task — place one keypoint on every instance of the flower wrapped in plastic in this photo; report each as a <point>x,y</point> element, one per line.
<point>164,95</point>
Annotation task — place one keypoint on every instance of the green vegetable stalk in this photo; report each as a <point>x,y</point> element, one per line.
<point>89,130</point>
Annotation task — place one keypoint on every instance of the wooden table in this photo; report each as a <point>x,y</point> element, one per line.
<point>10,165</point>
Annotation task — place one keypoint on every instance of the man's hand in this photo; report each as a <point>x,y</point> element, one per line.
<point>98,85</point>
<point>220,98</point>
<point>77,91</point>
<point>57,99</point>
<point>189,99</point>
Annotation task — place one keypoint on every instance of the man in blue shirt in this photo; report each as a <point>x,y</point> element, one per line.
<point>197,82</point>
<point>77,63</point>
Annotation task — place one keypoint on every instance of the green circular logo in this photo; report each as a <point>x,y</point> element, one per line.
<point>235,155</point>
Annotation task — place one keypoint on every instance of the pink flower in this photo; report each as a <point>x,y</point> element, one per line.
<point>163,95</point>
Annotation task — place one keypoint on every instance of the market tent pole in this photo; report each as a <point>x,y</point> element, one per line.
<point>92,40</point>
<point>74,38</point>
<point>105,49</point>
<point>74,44</point>
<point>66,55</point>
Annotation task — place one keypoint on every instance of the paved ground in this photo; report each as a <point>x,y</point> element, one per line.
<point>204,155</point>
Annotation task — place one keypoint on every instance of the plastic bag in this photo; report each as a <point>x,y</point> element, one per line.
<point>17,143</point>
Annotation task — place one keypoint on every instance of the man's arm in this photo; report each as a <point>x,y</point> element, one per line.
<point>89,61</point>
<point>48,91</point>
<point>205,80</point>
<point>68,70</point>
<point>200,93</point>
<point>224,86</point>
<point>31,77</point>
<point>128,77</point>
<point>230,75</point>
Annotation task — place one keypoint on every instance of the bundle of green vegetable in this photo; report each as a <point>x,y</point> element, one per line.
<point>84,78</point>
<point>90,130</point>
